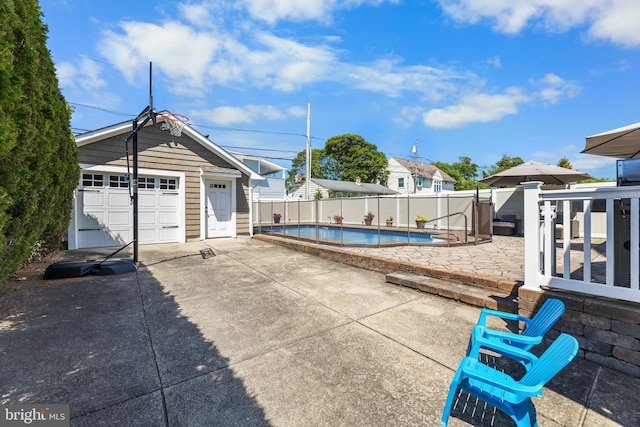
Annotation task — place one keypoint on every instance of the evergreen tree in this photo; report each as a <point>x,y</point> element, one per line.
<point>564,163</point>
<point>38,156</point>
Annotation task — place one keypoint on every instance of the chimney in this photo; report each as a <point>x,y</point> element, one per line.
<point>358,180</point>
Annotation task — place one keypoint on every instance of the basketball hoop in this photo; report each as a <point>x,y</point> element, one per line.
<point>174,123</point>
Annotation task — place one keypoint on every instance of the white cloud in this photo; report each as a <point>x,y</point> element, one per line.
<point>303,10</point>
<point>613,20</point>
<point>618,23</point>
<point>553,88</point>
<point>180,51</point>
<point>197,14</point>
<point>475,108</point>
<point>227,115</point>
<point>85,75</point>
<point>586,162</point>
<point>287,65</point>
<point>407,116</point>
<point>389,77</point>
<point>215,57</point>
<point>297,111</point>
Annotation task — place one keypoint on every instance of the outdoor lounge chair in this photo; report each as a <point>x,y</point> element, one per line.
<point>501,390</point>
<point>534,331</point>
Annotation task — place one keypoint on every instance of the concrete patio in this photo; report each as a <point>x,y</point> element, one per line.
<point>259,335</point>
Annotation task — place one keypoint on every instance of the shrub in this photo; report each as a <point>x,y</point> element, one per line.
<point>38,155</point>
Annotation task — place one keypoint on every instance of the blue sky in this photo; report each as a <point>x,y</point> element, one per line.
<point>476,78</point>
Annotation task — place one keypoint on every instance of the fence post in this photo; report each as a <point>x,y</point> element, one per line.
<point>531,221</point>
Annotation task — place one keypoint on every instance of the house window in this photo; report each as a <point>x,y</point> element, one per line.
<point>437,185</point>
<point>146,182</point>
<point>168,184</point>
<point>400,182</point>
<point>419,181</point>
<point>118,181</point>
<point>92,180</point>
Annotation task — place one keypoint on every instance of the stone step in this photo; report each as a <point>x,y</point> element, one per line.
<point>478,296</point>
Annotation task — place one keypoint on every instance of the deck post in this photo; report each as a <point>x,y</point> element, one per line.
<point>531,221</point>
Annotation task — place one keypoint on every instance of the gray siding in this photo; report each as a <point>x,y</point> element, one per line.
<point>157,149</point>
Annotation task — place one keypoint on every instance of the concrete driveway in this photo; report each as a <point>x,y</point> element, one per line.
<point>259,335</point>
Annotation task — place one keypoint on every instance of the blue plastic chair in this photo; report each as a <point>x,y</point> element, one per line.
<point>502,391</point>
<point>535,329</point>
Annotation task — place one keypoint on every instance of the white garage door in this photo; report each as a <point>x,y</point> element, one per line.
<point>105,211</point>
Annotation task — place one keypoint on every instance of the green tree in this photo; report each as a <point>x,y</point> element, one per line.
<point>565,163</point>
<point>504,163</point>
<point>343,158</point>
<point>464,171</point>
<point>38,156</point>
<point>350,156</point>
<point>298,170</point>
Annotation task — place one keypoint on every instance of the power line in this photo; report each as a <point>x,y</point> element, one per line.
<point>225,129</point>
<point>117,113</point>
<point>219,128</point>
<point>258,149</point>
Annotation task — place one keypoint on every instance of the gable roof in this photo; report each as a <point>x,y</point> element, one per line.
<point>126,127</point>
<point>352,187</point>
<point>266,167</point>
<point>424,170</point>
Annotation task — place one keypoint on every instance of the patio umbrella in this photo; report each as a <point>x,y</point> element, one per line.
<point>621,143</point>
<point>534,171</point>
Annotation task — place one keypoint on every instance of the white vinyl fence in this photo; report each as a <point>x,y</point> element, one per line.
<point>445,213</point>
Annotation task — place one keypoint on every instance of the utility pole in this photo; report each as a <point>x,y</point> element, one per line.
<point>308,159</point>
<point>414,151</point>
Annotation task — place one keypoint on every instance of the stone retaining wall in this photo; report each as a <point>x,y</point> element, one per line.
<point>608,330</point>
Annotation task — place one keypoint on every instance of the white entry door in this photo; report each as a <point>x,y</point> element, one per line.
<point>218,209</point>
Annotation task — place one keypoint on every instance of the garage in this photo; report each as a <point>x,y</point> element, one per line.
<point>103,212</point>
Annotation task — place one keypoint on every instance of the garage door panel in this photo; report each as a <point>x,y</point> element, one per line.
<point>146,218</point>
<point>168,200</point>
<point>169,234</point>
<point>119,219</point>
<point>91,220</point>
<point>168,218</point>
<point>147,235</point>
<point>92,198</point>
<point>119,199</point>
<point>146,200</point>
<point>105,214</point>
<point>100,238</point>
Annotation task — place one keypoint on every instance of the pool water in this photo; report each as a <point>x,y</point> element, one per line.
<point>356,236</point>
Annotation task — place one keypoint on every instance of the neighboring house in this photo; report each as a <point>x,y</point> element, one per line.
<point>188,189</point>
<point>331,188</point>
<point>272,187</point>
<point>409,177</point>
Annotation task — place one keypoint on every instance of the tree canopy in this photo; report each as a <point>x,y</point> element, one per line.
<point>463,171</point>
<point>503,164</point>
<point>298,166</point>
<point>564,163</point>
<point>38,155</point>
<point>343,158</point>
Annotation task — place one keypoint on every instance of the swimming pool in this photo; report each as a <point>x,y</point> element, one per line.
<point>352,236</point>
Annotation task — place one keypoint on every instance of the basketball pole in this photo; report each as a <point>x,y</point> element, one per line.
<point>133,136</point>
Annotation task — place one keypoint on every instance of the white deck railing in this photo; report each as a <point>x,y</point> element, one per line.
<point>544,252</point>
